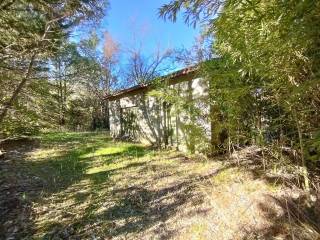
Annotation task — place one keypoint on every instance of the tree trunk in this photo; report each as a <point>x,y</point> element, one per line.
<point>106,114</point>
<point>16,92</point>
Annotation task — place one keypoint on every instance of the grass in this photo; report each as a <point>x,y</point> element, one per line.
<point>94,186</point>
<point>87,186</point>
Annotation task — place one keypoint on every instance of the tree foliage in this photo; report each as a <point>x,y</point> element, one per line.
<point>266,85</point>
<point>31,34</point>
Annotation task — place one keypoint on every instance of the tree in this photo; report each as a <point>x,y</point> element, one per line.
<point>275,45</point>
<point>64,75</point>
<point>81,76</point>
<point>32,31</point>
<point>141,69</point>
<point>275,40</point>
<point>200,51</point>
<point>111,50</point>
<point>195,11</point>
<point>96,76</point>
<point>256,29</point>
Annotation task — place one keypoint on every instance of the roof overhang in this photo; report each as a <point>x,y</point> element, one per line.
<point>172,78</point>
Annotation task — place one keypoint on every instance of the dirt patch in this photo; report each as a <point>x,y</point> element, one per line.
<point>19,143</point>
<point>16,188</point>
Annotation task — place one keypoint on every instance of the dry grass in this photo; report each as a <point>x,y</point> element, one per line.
<point>94,188</point>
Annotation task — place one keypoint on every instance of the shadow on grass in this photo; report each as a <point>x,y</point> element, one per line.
<point>102,176</point>
<point>120,195</point>
<point>25,181</point>
<point>289,217</point>
<point>137,208</point>
<point>16,221</point>
<point>297,219</point>
<point>123,206</point>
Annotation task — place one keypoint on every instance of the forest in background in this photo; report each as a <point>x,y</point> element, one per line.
<point>48,81</point>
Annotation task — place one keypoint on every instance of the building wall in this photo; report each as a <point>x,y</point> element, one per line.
<point>152,123</point>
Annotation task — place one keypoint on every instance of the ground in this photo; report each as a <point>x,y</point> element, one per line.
<point>87,186</point>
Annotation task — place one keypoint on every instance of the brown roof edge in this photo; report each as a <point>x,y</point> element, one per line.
<point>171,76</point>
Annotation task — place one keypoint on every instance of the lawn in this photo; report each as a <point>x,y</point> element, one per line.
<point>87,186</point>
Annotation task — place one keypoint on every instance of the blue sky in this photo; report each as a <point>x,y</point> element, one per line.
<point>135,22</point>
<point>129,19</point>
